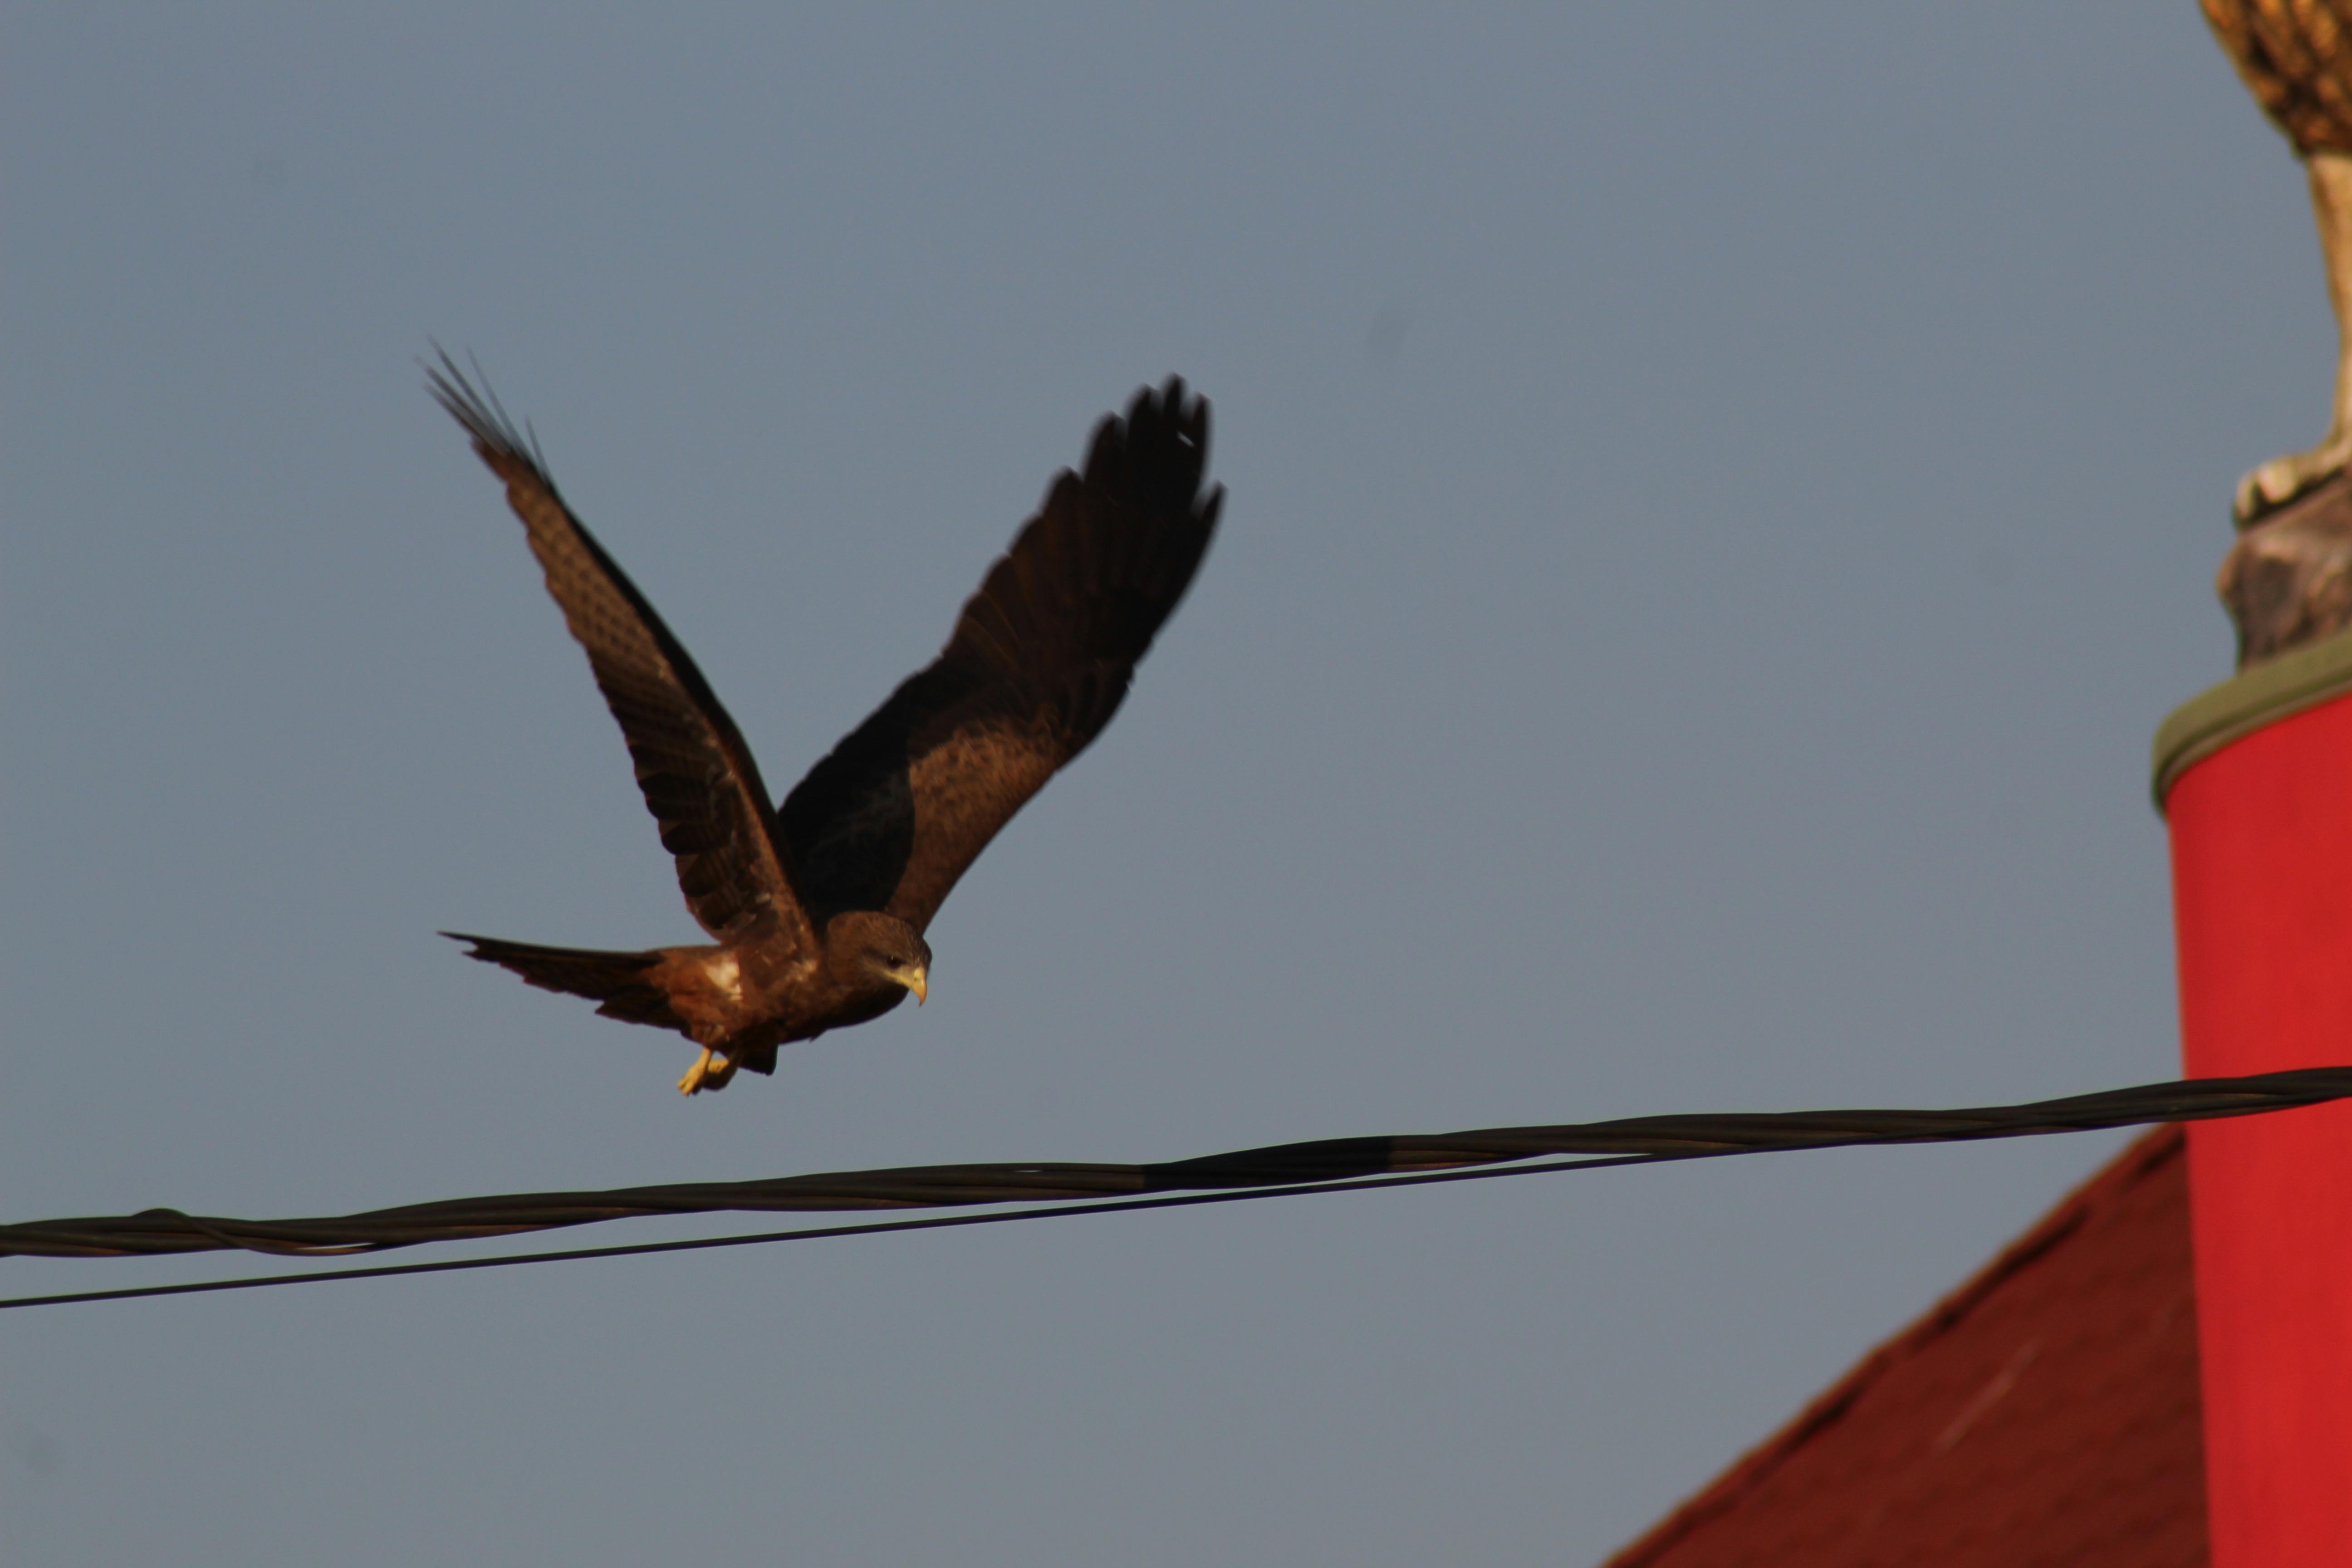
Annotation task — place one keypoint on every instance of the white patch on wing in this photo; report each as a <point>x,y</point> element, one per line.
<point>726,977</point>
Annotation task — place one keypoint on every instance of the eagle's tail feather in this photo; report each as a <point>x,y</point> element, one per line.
<point>621,984</point>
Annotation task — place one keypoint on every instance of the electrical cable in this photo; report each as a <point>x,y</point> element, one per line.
<point>1288,1169</point>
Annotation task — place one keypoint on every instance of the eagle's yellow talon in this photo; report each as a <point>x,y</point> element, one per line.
<point>711,1072</point>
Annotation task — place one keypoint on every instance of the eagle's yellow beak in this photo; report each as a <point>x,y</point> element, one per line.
<point>920,984</point>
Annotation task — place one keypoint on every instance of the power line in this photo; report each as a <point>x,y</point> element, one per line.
<point>1288,1169</point>
<point>879,1227</point>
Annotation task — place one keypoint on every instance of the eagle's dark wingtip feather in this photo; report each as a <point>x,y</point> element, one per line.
<point>480,413</point>
<point>1158,451</point>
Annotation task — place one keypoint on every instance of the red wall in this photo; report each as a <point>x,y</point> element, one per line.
<point>2261,867</point>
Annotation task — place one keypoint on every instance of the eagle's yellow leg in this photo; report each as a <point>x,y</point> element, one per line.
<point>711,1072</point>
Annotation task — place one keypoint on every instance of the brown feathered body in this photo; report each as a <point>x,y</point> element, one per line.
<point>762,987</point>
<point>2296,57</point>
<point>818,908</point>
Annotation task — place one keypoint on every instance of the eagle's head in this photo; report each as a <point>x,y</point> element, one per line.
<point>873,947</point>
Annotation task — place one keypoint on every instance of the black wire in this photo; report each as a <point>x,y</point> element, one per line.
<point>1288,1165</point>
<point>938,1222</point>
<point>1289,1170</point>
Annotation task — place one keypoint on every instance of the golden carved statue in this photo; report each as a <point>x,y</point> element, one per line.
<point>2288,580</point>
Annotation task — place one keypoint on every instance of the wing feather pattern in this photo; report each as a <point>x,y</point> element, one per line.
<point>1039,661</point>
<point>698,777</point>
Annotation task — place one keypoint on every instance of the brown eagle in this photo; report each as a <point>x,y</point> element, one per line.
<point>817,908</point>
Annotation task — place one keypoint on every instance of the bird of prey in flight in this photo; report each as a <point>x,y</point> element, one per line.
<point>817,908</point>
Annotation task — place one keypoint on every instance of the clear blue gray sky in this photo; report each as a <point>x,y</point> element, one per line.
<point>1720,498</point>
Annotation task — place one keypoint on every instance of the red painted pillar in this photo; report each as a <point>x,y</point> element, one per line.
<point>2255,778</point>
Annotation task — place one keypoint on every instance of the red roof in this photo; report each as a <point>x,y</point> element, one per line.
<point>2046,1412</point>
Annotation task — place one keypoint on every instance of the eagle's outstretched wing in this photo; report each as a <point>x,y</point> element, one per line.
<point>697,776</point>
<point>1039,661</point>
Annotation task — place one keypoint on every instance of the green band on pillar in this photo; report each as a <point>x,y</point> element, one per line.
<point>2263,695</point>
